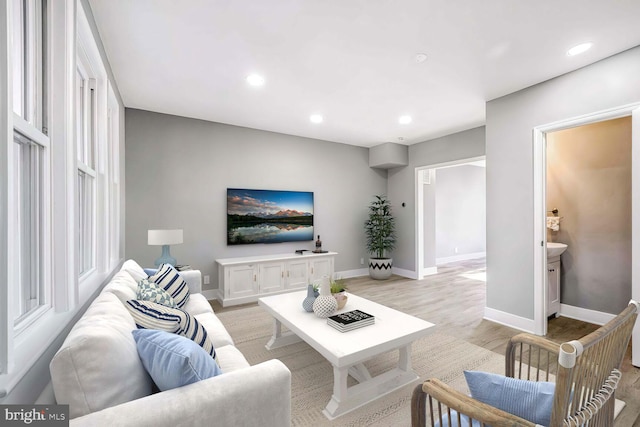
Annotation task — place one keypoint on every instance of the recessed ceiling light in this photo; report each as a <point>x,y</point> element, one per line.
<point>420,57</point>
<point>581,48</point>
<point>403,120</point>
<point>316,118</point>
<point>255,80</point>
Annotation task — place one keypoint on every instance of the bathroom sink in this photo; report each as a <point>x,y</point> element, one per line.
<point>555,249</point>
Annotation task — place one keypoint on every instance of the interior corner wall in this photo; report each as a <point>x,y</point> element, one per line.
<point>402,184</point>
<point>178,171</point>
<point>460,206</point>
<point>610,83</point>
<point>589,182</point>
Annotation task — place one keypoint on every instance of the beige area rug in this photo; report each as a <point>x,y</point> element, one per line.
<point>438,355</point>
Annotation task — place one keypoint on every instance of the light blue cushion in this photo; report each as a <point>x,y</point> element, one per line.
<point>173,361</point>
<point>150,271</point>
<point>531,400</point>
<point>170,280</point>
<point>149,291</point>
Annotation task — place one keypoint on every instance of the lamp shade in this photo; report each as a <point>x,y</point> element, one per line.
<point>164,237</point>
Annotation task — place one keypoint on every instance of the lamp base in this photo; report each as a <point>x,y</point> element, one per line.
<point>165,258</point>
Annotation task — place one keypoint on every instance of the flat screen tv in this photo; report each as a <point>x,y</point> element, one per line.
<point>268,216</point>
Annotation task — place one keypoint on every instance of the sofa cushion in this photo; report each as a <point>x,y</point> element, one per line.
<point>231,359</point>
<point>149,291</point>
<point>216,330</point>
<point>172,360</point>
<point>134,269</point>
<point>123,286</point>
<point>170,280</point>
<point>98,364</point>
<point>151,315</point>
<point>197,304</point>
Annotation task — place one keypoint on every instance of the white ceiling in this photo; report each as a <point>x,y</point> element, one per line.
<point>353,61</point>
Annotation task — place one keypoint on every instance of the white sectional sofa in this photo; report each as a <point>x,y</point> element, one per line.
<point>97,371</point>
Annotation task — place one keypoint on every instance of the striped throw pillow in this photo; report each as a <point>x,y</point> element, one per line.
<point>170,280</point>
<point>149,291</point>
<point>151,315</point>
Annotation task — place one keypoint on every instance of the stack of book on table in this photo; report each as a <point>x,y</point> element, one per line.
<point>350,320</point>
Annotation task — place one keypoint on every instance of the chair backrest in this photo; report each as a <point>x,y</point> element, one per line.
<point>588,373</point>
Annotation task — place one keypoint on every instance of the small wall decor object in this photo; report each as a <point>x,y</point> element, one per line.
<point>164,238</point>
<point>307,303</point>
<point>325,305</point>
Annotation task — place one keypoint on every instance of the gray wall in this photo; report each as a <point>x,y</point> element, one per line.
<point>606,84</point>
<point>178,171</point>
<point>460,210</point>
<point>589,182</point>
<point>402,187</point>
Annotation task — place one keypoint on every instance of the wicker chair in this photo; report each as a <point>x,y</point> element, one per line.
<point>586,373</point>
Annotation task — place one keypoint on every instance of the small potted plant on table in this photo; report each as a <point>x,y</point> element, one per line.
<point>338,290</point>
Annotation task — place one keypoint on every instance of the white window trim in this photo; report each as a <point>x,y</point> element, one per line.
<point>67,24</point>
<point>22,127</point>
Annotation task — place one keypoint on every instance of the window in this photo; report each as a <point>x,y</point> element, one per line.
<point>86,138</point>
<point>28,160</point>
<point>29,18</point>
<point>29,157</point>
<point>50,156</point>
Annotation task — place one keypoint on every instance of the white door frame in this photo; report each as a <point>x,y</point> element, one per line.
<point>419,198</point>
<point>539,206</point>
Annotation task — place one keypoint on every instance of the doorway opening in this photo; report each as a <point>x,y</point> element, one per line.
<point>588,199</point>
<point>539,241</point>
<point>450,213</point>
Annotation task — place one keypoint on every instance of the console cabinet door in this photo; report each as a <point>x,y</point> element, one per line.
<point>242,280</point>
<point>321,267</point>
<point>271,277</point>
<point>553,292</point>
<point>297,274</point>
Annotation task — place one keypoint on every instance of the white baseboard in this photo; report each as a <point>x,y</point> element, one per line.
<point>510,320</point>
<point>430,272</point>
<point>585,315</point>
<point>347,274</point>
<point>404,273</point>
<point>462,257</point>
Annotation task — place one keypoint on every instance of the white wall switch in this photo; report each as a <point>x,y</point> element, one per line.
<point>207,279</point>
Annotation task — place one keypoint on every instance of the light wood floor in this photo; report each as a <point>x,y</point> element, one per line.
<point>454,300</point>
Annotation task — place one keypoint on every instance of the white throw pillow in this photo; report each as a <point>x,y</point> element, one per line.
<point>134,269</point>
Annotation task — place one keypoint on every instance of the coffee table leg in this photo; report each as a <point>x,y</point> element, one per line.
<point>280,339</point>
<point>404,359</point>
<point>346,399</point>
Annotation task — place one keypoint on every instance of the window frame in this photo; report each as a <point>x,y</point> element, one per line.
<point>65,31</point>
<point>31,127</point>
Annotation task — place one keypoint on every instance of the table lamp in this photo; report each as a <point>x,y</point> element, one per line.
<point>164,238</point>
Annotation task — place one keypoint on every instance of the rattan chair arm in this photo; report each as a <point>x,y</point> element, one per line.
<point>533,341</point>
<point>462,403</point>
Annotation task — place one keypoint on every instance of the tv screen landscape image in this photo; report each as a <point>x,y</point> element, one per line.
<point>268,216</point>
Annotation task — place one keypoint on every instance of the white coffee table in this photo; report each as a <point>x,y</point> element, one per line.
<point>346,351</point>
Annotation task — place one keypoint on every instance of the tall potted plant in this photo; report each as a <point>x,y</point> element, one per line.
<point>381,239</point>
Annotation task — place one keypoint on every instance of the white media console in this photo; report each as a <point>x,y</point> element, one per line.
<point>245,279</point>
